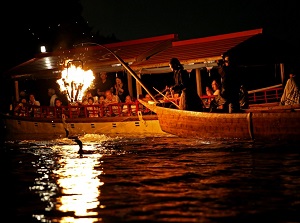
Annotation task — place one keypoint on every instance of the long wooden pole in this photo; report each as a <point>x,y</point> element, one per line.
<point>166,97</point>
<point>131,72</point>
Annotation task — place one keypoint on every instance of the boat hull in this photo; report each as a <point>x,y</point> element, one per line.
<point>29,128</point>
<point>255,124</point>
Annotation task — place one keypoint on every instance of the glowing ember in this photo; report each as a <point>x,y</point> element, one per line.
<point>75,81</point>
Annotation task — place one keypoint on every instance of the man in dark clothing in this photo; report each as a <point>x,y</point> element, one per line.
<point>229,95</point>
<point>189,99</point>
<point>104,84</point>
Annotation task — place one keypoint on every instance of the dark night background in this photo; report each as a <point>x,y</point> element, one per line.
<point>57,24</point>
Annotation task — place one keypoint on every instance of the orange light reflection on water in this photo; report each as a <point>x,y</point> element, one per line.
<point>79,182</point>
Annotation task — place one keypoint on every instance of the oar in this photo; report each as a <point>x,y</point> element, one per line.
<point>166,97</point>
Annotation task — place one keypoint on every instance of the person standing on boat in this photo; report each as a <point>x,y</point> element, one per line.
<point>291,92</point>
<point>52,95</point>
<point>33,103</point>
<point>244,97</point>
<point>189,99</point>
<point>104,84</point>
<point>121,89</point>
<point>229,95</point>
<point>59,110</point>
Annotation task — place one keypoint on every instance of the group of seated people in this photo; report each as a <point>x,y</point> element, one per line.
<point>109,105</point>
<point>27,107</point>
<point>105,105</point>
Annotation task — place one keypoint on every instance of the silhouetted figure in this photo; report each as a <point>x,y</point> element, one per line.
<point>189,99</point>
<point>229,95</point>
<point>77,140</point>
<point>291,92</point>
<point>80,151</point>
<point>67,133</point>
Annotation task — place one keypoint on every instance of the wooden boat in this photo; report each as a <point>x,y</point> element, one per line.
<point>261,122</point>
<point>264,120</point>
<point>47,125</point>
<point>43,125</point>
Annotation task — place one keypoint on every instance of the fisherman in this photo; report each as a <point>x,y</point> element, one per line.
<point>189,99</point>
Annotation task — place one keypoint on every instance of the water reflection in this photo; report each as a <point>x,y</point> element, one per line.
<point>153,179</point>
<point>70,183</point>
<point>79,183</point>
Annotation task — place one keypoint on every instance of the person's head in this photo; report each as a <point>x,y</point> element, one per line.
<point>31,97</point>
<point>85,101</point>
<point>292,75</point>
<point>22,94</point>
<point>51,91</point>
<point>108,94</point>
<point>90,100</point>
<point>118,80</point>
<point>89,94</point>
<point>101,99</point>
<point>58,102</point>
<point>175,64</point>
<point>23,100</point>
<point>128,99</point>
<point>148,97</point>
<point>215,85</point>
<point>103,75</point>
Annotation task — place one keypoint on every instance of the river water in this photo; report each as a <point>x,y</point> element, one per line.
<point>150,179</point>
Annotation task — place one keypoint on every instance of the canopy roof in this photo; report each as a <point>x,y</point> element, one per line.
<point>149,55</point>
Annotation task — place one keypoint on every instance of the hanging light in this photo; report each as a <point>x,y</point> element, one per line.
<point>43,49</point>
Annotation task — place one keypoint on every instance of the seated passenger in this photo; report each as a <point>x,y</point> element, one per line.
<point>87,94</point>
<point>101,100</point>
<point>22,108</point>
<point>33,110</point>
<point>291,92</point>
<point>101,105</point>
<point>110,98</point>
<point>92,108</point>
<point>209,91</point>
<point>229,92</point>
<point>217,102</point>
<point>59,110</point>
<point>129,108</point>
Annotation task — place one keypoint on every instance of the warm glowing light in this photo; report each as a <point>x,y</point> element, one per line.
<point>75,81</point>
<point>43,49</point>
<point>48,63</point>
<point>80,184</point>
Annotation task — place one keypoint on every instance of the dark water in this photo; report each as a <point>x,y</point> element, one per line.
<point>150,179</point>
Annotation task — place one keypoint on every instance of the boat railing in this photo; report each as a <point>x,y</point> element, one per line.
<point>258,96</point>
<point>83,111</point>
<point>265,95</point>
<point>206,99</point>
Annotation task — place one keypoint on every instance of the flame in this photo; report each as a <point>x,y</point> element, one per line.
<point>75,81</point>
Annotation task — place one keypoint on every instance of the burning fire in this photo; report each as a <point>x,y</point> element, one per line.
<point>75,81</point>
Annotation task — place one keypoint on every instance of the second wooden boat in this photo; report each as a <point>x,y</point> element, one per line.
<point>258,123</point>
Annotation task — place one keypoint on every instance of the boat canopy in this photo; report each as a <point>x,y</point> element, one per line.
<point>144,56</point>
